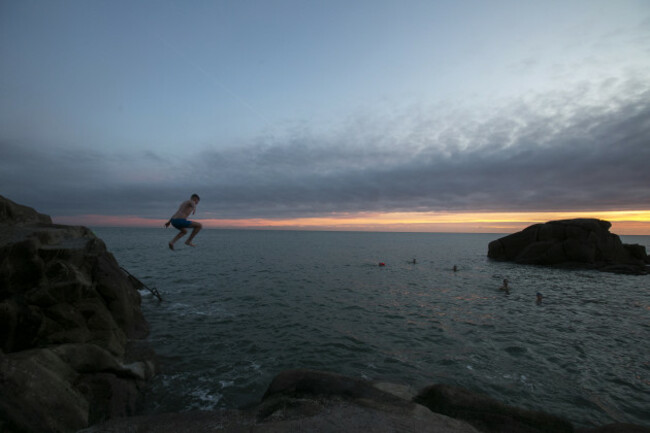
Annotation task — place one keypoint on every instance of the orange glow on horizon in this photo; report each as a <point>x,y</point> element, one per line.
<point>635,222</point>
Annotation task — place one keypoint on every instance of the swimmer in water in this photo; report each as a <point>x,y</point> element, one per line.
<point>505,287</point>
<point>455,268</point>
<point>539,298</point>
<point>179,221</point>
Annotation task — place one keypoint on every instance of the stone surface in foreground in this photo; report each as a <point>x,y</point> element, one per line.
<point>305,401</point>
<point>316,401</point>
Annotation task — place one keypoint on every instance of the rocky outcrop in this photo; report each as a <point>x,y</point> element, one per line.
<point>12,214</point>
<point>585,243</point>
<point>487,414</point>
<point>305,401</point>
<point>68,315</point>
<point>317,401</point>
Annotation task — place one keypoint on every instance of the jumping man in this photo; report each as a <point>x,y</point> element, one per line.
<point>179,220</point>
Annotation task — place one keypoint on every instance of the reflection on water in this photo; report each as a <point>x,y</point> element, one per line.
<point>245,305</point>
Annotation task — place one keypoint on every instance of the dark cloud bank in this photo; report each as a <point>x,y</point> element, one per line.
<point>555,153</point>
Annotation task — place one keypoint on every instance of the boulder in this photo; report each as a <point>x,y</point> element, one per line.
<point>585,243</point>
<point>487,414</point>
<point>316,401</point>
<point>38,394</point>
<point>67,313</point>
<point>305,401</point>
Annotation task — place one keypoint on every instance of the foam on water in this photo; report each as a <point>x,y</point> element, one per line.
<point>244,305</point>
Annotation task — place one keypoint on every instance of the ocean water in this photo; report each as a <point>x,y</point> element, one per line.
<point>245,305</point>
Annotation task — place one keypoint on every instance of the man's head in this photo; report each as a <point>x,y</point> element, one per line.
<point>195,198</point>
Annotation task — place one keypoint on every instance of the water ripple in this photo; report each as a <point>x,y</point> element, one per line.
<point>243,306</point>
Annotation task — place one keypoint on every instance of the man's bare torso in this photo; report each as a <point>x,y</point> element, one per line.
<point>185,209</point>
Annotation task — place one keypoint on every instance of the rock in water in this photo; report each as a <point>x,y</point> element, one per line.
<point>576,242</point>
<point>67,311</point>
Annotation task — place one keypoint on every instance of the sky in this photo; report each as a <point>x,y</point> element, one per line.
<point>402,115</point>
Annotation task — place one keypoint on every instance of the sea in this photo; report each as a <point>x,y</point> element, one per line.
<point>245,305</point>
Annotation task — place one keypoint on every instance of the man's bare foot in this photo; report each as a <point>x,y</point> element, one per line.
<point>189,243</point>
<point>171,246</point>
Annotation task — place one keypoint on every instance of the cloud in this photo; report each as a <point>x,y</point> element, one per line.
<point>585,149</point>
<point>554,153</point>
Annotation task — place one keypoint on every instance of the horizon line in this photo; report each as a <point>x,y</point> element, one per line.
<point>634,222</point>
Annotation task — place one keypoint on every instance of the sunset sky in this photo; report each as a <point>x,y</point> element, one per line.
<point>409,115</point>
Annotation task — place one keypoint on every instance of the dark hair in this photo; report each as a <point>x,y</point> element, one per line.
<point>196,195</point>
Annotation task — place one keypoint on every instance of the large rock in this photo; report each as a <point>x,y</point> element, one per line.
<point>38,394</point>
<point>16,214</point>
<point>316,401</point>
<point>305,401</point>
<point>67,312</point>
<point>487,414</point>
<point>576,242</point>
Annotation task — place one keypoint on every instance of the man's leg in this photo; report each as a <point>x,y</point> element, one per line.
<point>180,234</point>
<point>196,228</point>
